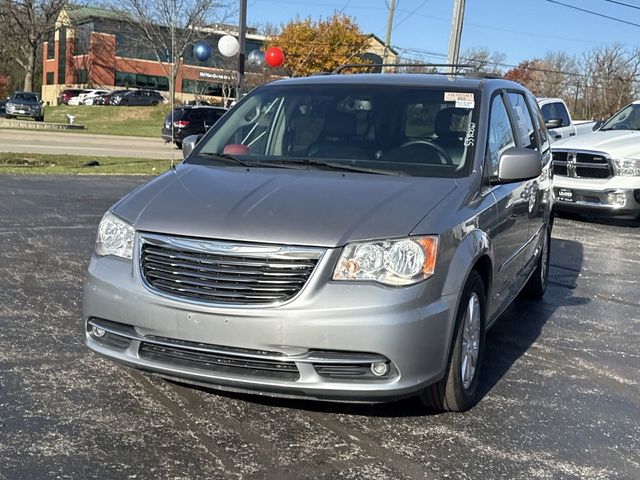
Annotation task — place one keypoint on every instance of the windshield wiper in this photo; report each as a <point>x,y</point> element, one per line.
<point>225,157</point>
<point>333,166</point>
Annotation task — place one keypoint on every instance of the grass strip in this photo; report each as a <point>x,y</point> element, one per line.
<point>42,164</point>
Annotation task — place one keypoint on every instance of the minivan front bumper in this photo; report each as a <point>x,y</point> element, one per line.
<point>322,345</point>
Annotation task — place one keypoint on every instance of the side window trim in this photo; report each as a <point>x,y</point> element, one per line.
<point>488,166</point>
<point>516,131</point>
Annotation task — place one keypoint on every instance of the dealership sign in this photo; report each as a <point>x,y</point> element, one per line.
<point>210,76</point>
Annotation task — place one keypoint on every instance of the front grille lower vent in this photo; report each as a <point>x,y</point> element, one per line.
<point>217,362</point>
<point>225,273</point>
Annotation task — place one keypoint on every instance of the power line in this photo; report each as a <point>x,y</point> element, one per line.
<point>623,4</point>
<point>594,13</point>
<point>507,65</point>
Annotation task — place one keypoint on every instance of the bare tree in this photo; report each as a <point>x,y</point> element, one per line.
<point>28,24</point>
<point>483,60</point>
<point>611,79</point>
<point>169,27</point>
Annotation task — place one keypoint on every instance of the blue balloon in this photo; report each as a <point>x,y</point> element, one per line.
<point>202,51</point>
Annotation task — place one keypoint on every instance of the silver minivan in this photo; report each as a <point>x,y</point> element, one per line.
<point>338,237</point>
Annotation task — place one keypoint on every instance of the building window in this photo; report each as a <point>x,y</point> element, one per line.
<point>81,76</point>
<point>49,80</point>
<point>62,55</point>
<point>139,80</point>
<point>51,47</point>
<point>197,87</point>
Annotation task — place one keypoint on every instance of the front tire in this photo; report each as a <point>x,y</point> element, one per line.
<point>537,283</point>
<point>458,390</point>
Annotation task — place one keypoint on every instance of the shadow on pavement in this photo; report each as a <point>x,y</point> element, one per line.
<point>509,338</point>
<point>600,220</point>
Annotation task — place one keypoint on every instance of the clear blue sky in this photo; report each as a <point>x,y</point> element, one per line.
<point>521,29</point>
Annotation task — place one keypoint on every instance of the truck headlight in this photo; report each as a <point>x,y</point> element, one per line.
<point>394,262</point>
<point>627,167</point>
<point>115,237</point>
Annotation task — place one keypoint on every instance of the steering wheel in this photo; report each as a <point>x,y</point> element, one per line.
<point>439,150</point>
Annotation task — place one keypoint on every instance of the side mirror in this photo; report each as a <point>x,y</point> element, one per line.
<point>553,123</point>
<point>597,125</point>
<point>188,144</point>
<point>517,165</point>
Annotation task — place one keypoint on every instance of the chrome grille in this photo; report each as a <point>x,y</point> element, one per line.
<point>581,164</point>
<point>223,272</point>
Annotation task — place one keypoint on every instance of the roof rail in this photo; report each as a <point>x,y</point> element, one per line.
<point>457,66</point>
<point>487,75</point>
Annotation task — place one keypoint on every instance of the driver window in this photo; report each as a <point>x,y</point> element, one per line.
<point>500,136</point>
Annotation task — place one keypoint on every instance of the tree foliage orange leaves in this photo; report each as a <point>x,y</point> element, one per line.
<point>319,46</point>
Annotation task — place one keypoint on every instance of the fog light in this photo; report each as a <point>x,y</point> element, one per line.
<point>379,368</point>
<point>616,198</point>
<point>97,332</point>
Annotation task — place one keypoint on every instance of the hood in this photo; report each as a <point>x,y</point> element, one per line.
<point>617,143</point>
<point>296,207</point>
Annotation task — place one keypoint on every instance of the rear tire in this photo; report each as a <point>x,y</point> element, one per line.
<point>179,145</point>
<point>537,283</point>
<point>458,390</point>
<point>124,103</point>
<point>39,119</point>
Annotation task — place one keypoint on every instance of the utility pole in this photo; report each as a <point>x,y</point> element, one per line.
<point>456,33</point>
<point>242,34</point>
<point>387,38</point>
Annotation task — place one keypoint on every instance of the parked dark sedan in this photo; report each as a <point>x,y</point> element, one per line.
<point>3,108</point>
<point>190,120</point>
<point>105,98</point>
<point>138,98</point>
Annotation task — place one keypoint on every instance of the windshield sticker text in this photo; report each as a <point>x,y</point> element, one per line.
<point>470,138</point>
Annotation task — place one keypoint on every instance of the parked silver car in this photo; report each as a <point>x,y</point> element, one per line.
<point>333,237</point>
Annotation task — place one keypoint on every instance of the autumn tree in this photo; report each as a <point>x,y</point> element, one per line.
<point>26,25</point>
<point>319,46</point>
<point>526,73</point>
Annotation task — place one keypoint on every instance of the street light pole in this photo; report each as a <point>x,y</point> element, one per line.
<point>456,33</point>
<point>242,34</point>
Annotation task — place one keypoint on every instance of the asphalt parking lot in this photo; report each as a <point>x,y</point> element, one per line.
<point>561,384</point>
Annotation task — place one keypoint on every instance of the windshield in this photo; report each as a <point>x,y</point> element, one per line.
<point>626,119</point>
<point>413,130</point>
<point>26,97</point>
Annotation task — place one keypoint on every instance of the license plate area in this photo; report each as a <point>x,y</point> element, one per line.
<point>565,194</point>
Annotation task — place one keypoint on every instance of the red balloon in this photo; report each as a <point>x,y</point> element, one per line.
<point>273,57</point>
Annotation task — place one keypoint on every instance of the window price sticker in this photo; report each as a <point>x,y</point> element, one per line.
<point>462,99</point>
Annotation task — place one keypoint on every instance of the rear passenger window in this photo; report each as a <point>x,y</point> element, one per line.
<point>563,114</point>
<point>524,122</point>
<point>500,133</point>
<point>548,112</point>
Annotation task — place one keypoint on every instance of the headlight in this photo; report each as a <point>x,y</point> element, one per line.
<point>397,262</point>
<point>115,237</point>
<point>627,167</point>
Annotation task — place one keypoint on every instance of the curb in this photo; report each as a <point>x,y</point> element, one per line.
<point>29,125</point>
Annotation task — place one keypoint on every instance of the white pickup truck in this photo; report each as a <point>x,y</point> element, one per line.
<point>599,172</point>
<point>559,122</point>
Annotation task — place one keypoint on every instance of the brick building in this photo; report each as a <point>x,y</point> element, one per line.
<point>93,47</point>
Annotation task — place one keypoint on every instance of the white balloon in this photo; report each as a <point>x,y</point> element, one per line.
<point>228,45</point>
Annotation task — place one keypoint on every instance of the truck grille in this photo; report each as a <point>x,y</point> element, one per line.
<point>581,164</point>
<point>223,272</point>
